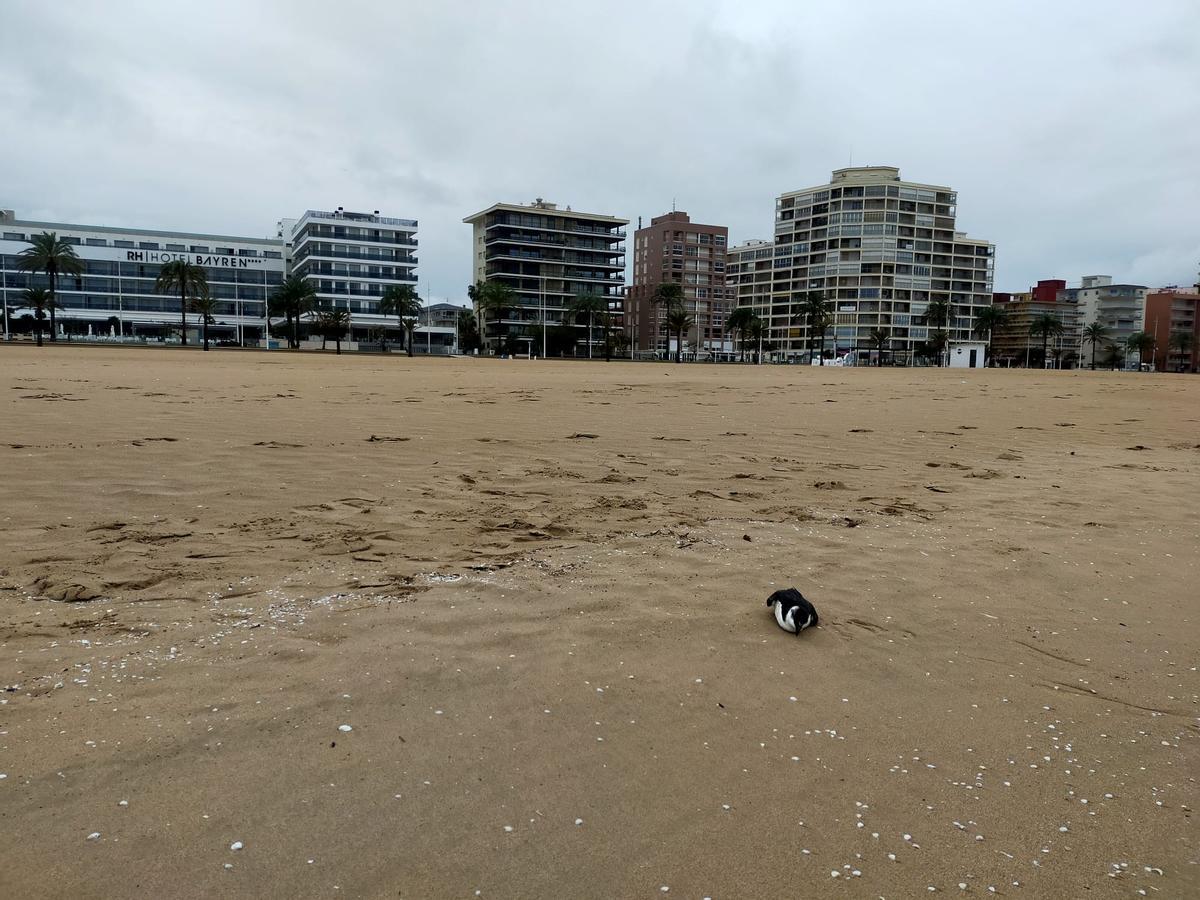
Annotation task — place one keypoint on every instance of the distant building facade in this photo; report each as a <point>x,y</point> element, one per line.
<point>548,257</point>
<point>1014,344</point>
<point>878,249</point>
<point>1121,308</point>
<point>350,259</point>
<point>115,296</point>
<point>1171,312</point>
<point>748,274</point>
<point>673,248</point>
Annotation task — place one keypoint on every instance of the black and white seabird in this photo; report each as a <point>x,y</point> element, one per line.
<point>792,611</point>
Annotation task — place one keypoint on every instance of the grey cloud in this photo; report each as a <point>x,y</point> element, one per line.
<point>1068,128</point>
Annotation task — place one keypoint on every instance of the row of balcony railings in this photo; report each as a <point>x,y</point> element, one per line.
<point>567,259</point>
<point>397,258</point>
<point>553,223</point>
<point>557,241</point>
<point>396,239</point>
<point>366,218</point>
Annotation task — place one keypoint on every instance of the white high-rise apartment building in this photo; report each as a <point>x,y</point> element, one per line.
<point>352,258</point>
<point>878,249</point>
<point>1121,308</point>
<point>748,275</point>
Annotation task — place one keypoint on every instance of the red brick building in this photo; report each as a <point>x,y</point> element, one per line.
<point>673,248</point>
<point>1168,313</point>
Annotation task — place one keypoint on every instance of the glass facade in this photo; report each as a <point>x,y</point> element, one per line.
<point>115,292</point>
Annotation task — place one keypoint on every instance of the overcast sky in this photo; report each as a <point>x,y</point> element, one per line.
<point>1069,128</point>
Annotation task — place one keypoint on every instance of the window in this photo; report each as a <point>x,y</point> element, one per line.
<point>178,248</point>
<point>97,242</point>
<point>149,245</point>
<point>122,243</point>
<point>225,251</point>
<point>198,248</point>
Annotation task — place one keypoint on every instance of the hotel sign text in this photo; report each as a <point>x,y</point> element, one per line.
<point>216,261</point>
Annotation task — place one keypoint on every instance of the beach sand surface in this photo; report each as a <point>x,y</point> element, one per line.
<point>535,592</point>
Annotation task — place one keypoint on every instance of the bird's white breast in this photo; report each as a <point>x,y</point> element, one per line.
<point>785,621</point>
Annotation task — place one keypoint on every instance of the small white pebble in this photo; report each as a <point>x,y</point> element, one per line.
<point>892,857</point>
<point>94,836</point>
<point>962,885</point>
<point>664,888</point>
<point>345,728</point>
<point>508,828</point>
<point>579,821</point>
<point>856,873</point>
<point>908,837</point>
<point>236,845</point>
<point>228,865</point>
<point>835,874</point>
<point>122,803</point>
<point>1062,828</point>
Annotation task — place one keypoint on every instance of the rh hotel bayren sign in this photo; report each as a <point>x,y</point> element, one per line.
<point>200,259</point>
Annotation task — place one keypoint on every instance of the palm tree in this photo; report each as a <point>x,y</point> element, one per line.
<point>1140,343</point>
<point>1047,325</point>
<point>1114,355</point>
<point>468,330</point>
<point>988,320</point>
<point>293,299</point>
<point>755,332</point>
<point>332,322</point>
<point>937,314</point>
<point>1181,341</point>
<point>491,299</point>
<point>739,322</point>
<point>39,300</point>
<point>669,295</point>
<point>401,301</point>
<point>1094,334</point>
<point>205,306</point>
<point>680,321</point>
<point>191,282</point>
<point>49,253</point>
<point>814,312</point>
<point>590,305</point>
<point>878,338</point>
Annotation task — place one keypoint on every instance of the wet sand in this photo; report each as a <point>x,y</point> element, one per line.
<point>535,592</point>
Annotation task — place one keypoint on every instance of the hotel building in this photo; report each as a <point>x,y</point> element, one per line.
<point>878,249</point>
<point>350,258</point>
<point>115,295</point>
<point>673,248</point>
<point>548,257</point>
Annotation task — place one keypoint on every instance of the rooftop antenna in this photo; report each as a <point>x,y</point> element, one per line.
<point>672,204</point>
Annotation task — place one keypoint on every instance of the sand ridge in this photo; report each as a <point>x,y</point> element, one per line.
<point>535,592</point>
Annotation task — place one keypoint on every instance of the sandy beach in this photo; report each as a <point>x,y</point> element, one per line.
<point>534,592</point>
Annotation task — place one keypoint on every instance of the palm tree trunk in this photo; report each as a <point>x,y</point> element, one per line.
<point>205,330</point>
<point>183,313</point>
<point>589,334</point>
<point>1093,356</point>
<point>409,331</point>
<point>37,330</point>
<point>53,276</point>
<point>338,343</point>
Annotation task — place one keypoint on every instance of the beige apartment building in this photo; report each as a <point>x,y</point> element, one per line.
<point>878,249</point>
<point>548,257</point>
